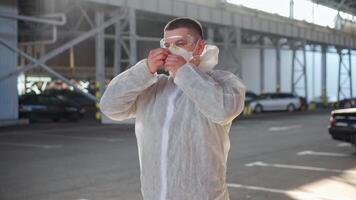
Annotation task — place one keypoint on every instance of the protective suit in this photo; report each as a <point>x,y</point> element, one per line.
<point>182,126</point>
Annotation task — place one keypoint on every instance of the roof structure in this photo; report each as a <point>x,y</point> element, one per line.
<point>347,6</point>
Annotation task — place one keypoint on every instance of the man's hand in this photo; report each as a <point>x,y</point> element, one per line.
<point>156,59</point>
<point>174,62</point>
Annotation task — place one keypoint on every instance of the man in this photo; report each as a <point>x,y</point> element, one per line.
<point>182,120</point>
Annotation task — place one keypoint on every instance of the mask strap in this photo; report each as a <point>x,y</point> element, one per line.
<point>196,44</point>
<point>195,48</point>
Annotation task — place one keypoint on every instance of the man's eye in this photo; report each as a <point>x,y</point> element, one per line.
<point>180,44</point>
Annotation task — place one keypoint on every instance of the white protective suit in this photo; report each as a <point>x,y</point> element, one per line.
<point>182,126</point>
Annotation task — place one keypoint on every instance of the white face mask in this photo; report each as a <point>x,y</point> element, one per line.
<point>187,55</point>
<point>170,43</point>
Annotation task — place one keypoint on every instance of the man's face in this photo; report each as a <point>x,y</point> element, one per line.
<point>184,38</point>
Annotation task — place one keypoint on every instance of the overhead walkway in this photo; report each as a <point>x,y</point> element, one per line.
<point>241,17</point>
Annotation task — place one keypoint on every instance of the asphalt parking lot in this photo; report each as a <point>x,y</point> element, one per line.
<point>272,157</point>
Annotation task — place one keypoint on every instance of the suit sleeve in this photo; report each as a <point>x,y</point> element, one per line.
<point>119,99</point>
<point>220,98</point>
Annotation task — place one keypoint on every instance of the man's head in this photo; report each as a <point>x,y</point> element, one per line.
<point>195,28</point>
<point>186,33</point>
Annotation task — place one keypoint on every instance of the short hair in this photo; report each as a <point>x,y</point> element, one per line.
<point>185,22</point>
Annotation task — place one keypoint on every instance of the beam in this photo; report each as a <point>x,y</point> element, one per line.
<point>42,20</point>
<point>63,48</point>
<point>340,5</point>
<point>48,69</point>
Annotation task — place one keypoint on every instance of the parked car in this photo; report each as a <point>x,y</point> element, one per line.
<point>76,98</point>
<point>250,96</point>
<point>347,103</point>
<point>44,106</point>
<point>72,96</point>
<point>318,102</point>
<point>342,125</point>
<point>276,102</point>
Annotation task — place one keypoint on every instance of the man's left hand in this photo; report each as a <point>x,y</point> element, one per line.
<point>174,62</point>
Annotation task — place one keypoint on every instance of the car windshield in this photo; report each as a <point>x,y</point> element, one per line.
<point>263,96</point>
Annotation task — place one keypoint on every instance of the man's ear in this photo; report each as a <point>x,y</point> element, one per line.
<point>200,47</point>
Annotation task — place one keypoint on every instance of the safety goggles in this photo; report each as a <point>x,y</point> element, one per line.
<point>178,41</point>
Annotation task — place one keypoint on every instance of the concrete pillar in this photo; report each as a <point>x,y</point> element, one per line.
<point>278,66</point>
<point>238,51</point>
<point>133,37</point>
<point>117,50</point>
<point>210,35</point>
<point>99,59</point>
<point>262,65</point>
<point>323,74</point>
<point>339,85</point>
<point>8,63</point>
<point>350,72</point>
<point>291,9</point>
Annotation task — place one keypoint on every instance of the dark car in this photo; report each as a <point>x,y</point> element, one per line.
<point>347,103</point>
<point>44,106</point>
<point>324,102</point>
<point>250,96</point>
<point>342,125</point>
<point>72,96</point>
<point>76,98</point>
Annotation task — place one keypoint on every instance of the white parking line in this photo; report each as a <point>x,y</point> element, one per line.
<point>81,138</point>
<point>315,153</point>
<point>293,193</point>
<point>42,146</point>
<point>284,128</point>
<point>298,167</point>
<point>100,139</point>
<point>344,144</point>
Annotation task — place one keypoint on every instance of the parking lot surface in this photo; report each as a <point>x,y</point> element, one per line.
<point>272,157</point>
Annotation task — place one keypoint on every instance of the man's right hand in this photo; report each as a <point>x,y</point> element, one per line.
<point>156,59</point>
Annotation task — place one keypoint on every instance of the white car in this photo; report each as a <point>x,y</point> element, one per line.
<point>276,102</point>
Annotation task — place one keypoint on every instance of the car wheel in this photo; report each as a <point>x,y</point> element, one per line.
<point>32,117</point>
<point>74,117</point>
<point>290,108</point>
<point>353,140</point>
<point>258,108</point>
<point>56,119</point>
